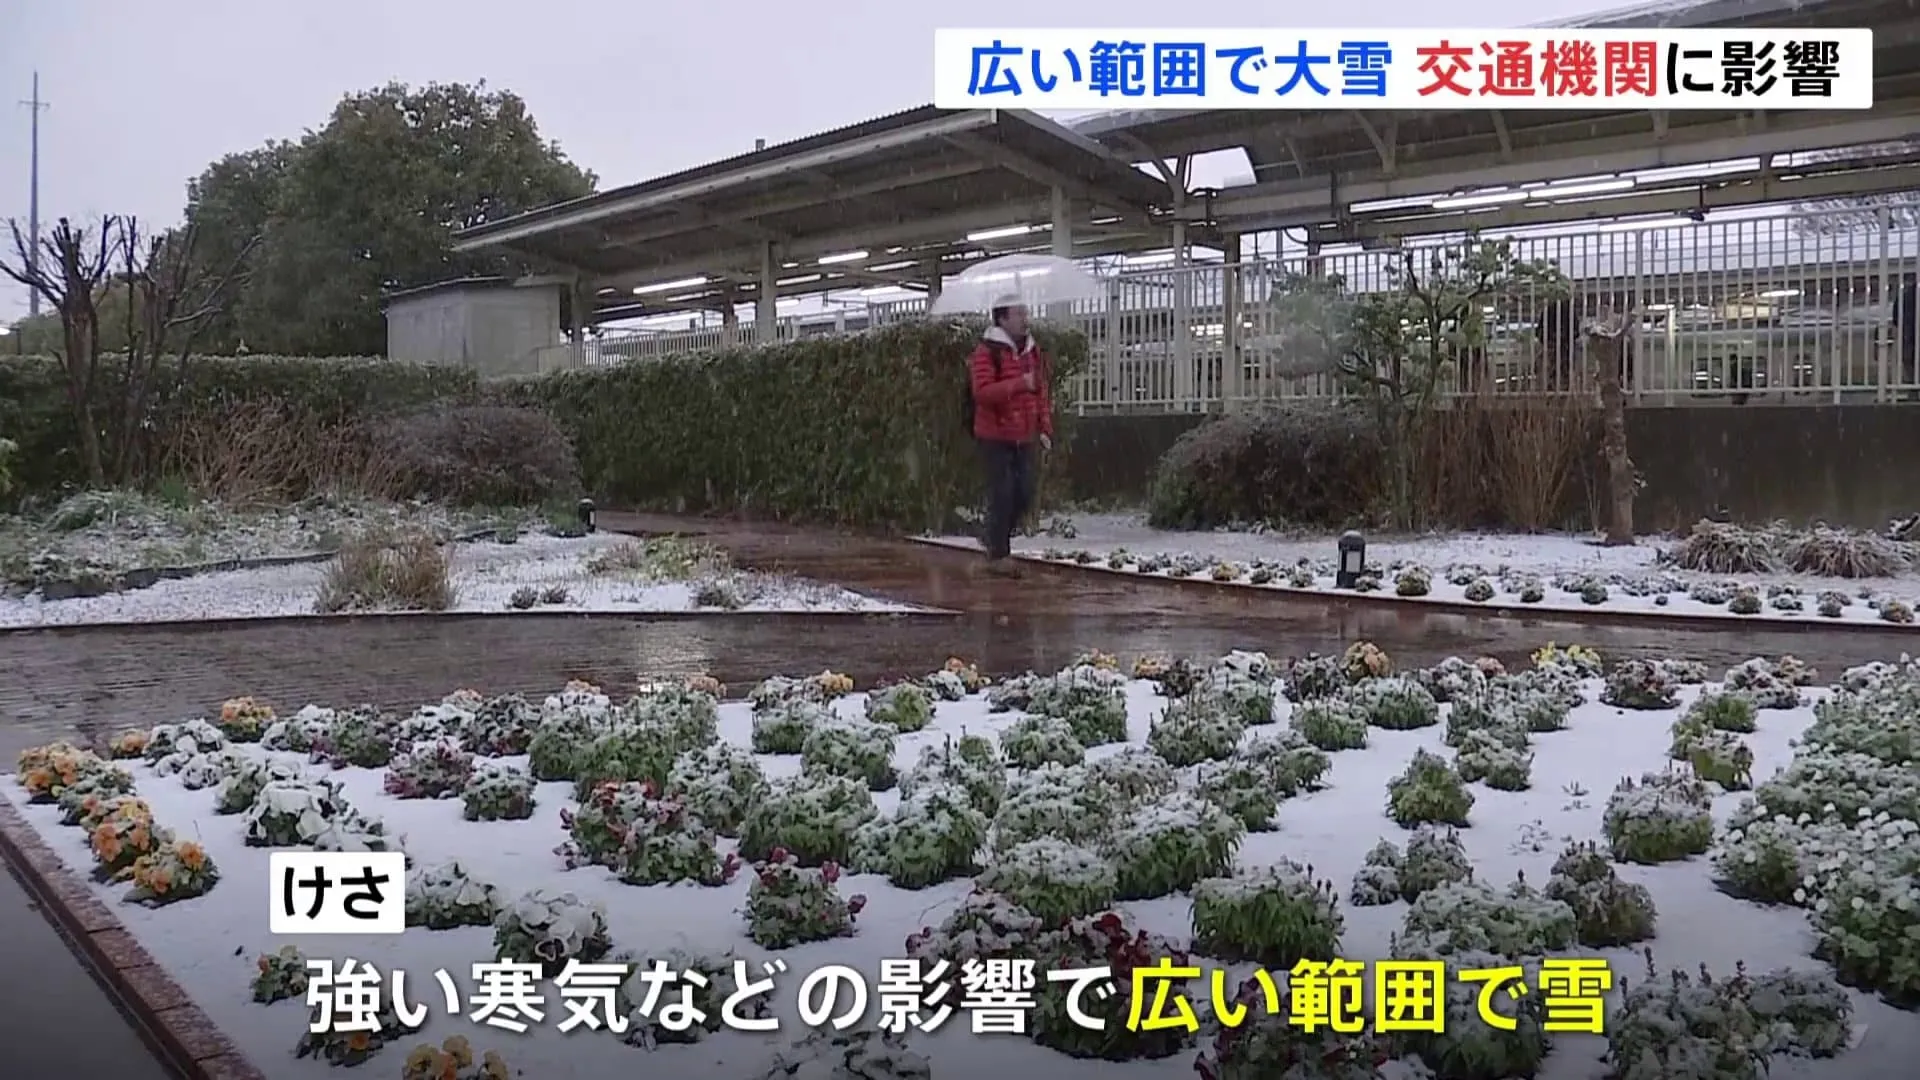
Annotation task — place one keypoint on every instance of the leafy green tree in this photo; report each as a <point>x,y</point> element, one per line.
<point>370,203</point>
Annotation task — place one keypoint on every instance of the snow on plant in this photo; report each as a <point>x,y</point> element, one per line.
<point>1243,789</point>
<point>1467,1047</point>
<point>1761,681</point>
<point>293,813</point>
<point>1451,678</point>
<point>1091,698</point>
<point>1607,911</point>
<point>971,762</point>
<point>190,737</point>
<point>1867,919</point>
<point>1579,659</point>
<point>243,719</point>
<point>128,744</point>
<point>1434,856</point>
<point>1716,756</point>
<point>86,809</point>
<point>434,769</point>
<point>244,780</point>
<point>1396,703</point>
<point>1468,916</point>
<point>1106,940</point>
<point>440,720</point>
<point>498,726</point>
<point>560,741</point>
<point>783,724</point>
<point>1428,792</point>
<point>1483,756</point>
<point>855,748</point>
<point>549,929</point>
<point>298,733</point>
<point>1536,701</point>
<point>453,1060</point>
<point>1313,677</point>
<point>497,792</point>
<point>1275,915</point>
<point>446,896</point>
<point>1054,801</point>
<point>124,835</point>
<point>1052,878</point>
<point>362,736</point>
<point>200,771</point>
<point>1294,764</point>
<point>1133,773</point>
<point>860,1053</point>
<point>1732,712</point>
<point>1365,660</point>
<point>1330,724</point>
<point>932,836</point>
<point>1165,846</point>
<point>1821,783</point>
<point>1266,1045</point>
<point>985,926</point>
<point>1682,1028</point>
<point>789,904</point>
<point>580,698</point>
<point>904,707</point>
<point>175,870</point>
<point>1013,694</point>
<point>1661,818</point>
<point>643,838</point>
<point>1413,581</point>
<point>280,975</point>
<point>1196,728</point>
<point>1806,1014</point>
<point>813,817</point>
<point>350,1048</point>
<point>1882,721</point>
<point>354,831</point>
<point>717,782</point>
<point>84,778</point>
<point>968,674</point>
<point>631,749</point>
<point>638,997</point>
<point>1033,741</point>
<point>1640,684</point>
<point>1765,858</point>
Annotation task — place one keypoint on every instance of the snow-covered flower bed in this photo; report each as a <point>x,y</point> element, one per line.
<point>1722,571</point>
<point>1230,811</point>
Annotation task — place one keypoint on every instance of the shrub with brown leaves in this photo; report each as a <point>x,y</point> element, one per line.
<point>388,572</point>
<point>480,455</point>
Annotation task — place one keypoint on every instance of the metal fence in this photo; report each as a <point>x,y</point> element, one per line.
<point>1764,309</point>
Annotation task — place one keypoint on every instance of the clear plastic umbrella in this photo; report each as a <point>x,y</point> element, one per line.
<point>1036,281</point>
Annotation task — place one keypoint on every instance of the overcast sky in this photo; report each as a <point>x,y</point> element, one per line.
<point>144,95</point>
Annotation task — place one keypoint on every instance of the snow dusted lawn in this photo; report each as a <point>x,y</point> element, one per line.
<point>209,943</point>
<point>486,575</point>
<point>1559,563</point>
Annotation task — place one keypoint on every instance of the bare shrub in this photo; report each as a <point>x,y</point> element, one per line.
<point>1844,554</point>
<point>1537,445</point>
<point>380,571</point>
<point>260,453</point>
<point>1716,547</point>
<point>479,455</point>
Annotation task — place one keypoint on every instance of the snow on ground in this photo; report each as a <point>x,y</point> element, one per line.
<point>1560,563</point>
<point>486,575</point>
<point>209,944</point>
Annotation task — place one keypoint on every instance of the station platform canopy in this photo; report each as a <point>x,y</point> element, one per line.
<point>907,198</point>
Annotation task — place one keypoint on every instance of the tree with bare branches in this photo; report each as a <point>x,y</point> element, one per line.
<point>1606,338</point>
<point>171,298</point>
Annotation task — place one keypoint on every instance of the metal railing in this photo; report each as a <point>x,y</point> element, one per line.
<point>1761,309</point>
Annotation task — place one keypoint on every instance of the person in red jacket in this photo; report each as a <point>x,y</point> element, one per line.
<point>1012,422</point>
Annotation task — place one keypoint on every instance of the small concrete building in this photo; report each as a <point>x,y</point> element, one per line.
<point>498,326</point>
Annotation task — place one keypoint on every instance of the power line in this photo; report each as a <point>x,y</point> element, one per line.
<point>33,195</point>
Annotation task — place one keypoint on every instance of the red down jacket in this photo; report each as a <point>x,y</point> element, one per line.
<point>1004,410</point>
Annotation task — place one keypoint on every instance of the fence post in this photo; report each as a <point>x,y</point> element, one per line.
<point>1888,336</point>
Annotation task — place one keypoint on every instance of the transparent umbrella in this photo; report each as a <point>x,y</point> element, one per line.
<point>1036,281</point>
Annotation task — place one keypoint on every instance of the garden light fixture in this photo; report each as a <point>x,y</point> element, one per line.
<point>585,509</point>
<point>1353,560</point>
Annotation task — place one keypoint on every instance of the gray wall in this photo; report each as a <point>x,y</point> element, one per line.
<point>497,330</point>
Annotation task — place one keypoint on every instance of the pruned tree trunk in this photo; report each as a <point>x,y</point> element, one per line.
<point>1606,340</point>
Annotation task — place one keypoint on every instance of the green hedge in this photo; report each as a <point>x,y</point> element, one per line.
<point>852,430</point>
<point>860,429</point>
<point>34,412</point>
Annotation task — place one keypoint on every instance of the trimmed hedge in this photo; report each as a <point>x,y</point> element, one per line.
<point>34,412</point>
<point>860,430</point>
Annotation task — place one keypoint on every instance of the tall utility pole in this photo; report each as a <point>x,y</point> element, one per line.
<point>36,106</point>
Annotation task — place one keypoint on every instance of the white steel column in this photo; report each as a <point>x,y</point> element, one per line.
<point>1233,377</point>
<point>1062,245</point>
<point>766,309</point>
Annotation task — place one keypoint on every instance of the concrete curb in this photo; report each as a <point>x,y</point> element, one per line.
<point>185,1040</point>
<point>1594,616</point>
<point>148,576</point>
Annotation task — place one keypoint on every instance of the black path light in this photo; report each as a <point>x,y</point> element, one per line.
<point>585,510</point>
<point>1353,560</point>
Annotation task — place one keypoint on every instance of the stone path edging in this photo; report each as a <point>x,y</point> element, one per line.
<point>1590,616</point>
<point>167,1019</point>
<point>244,622</point>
